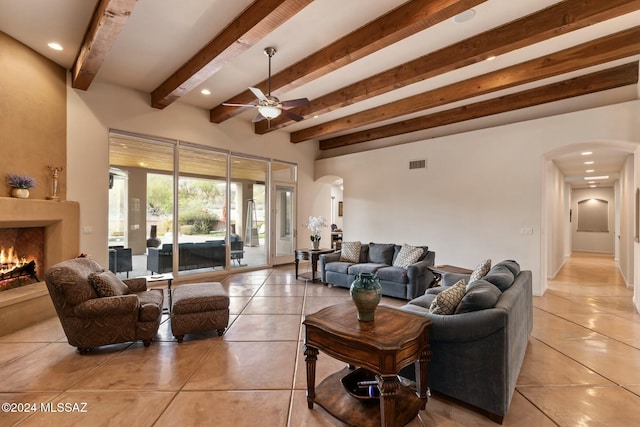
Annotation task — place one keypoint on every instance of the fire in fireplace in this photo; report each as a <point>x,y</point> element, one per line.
<point>21,256</point>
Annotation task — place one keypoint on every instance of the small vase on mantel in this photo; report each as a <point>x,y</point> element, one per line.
<point>20,193</point>
<point>366,292</point>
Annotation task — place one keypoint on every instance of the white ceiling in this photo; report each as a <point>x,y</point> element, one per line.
<point>160,35</point>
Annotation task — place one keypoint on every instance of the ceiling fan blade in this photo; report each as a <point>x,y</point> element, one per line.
<point>292,116</point>
<point>258,93</point>
<point>300,102</point>
<point>226,104</point>
<point>258,118</point>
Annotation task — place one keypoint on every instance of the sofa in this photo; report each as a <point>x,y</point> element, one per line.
<point>379,258</point>
<point>96,308</point>
<point>479,349</point>
<point>191,256</point>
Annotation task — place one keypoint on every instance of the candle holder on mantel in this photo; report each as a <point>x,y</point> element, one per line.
<point>55,177</point>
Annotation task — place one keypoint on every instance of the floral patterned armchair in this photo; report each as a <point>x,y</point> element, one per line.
<point>96,308</point>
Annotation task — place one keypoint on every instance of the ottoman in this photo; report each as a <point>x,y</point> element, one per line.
<point>199,307</point>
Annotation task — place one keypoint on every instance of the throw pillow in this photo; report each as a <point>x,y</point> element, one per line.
<point>480,295</point>
<point>447,301</point>
<point>480,271</point>
<point>107,284</point>
<point>381,253</point>
<point>408,255</point>
<point>350,252</point>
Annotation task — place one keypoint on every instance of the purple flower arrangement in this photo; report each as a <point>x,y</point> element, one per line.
<point>20,181</point>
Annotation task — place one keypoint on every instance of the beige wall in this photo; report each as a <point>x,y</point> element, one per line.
<point>32,117</point>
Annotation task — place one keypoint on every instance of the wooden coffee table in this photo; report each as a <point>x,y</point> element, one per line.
<point>395,339</point>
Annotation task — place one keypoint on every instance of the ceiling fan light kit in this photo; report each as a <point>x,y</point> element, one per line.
<point>270,107</point>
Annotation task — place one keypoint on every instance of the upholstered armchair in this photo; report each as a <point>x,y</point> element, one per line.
<point>97,308</point>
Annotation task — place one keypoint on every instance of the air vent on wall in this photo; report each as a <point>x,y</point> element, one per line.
<point>417,164</point>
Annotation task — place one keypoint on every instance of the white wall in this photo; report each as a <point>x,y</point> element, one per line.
<point>92,113</point>
<point>557,211</point>
<point>590,241</point>
<point>480,190</point>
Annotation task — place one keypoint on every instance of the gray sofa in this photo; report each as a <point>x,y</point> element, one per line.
<point>477,355</point>
<point>378,258</point>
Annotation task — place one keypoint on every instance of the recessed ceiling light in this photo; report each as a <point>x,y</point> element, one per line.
<point>589,171</point>
<point>591,182</point>
<point>205,92</point>
<point>491,58</point>
<point>593,186</point>
<point>55,46</point>
<point>586,153</point>
<point>588,178</point>
<point>465,16</point>
<point>590,162</point>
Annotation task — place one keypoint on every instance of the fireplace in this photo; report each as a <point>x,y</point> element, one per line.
<point>21,256</point>
<point>21,222</point>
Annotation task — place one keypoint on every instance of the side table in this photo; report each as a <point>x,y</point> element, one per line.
<point>167,277</point>
<point>313,255</point>
<point>394,339</point>
<point>439,270</point>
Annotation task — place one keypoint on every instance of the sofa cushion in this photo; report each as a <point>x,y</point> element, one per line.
<point>381,253</point>
<point>107,284</point>
<point>511,265</point>
<point>479,296</point>
<point>338,267</point>
<point>366,267</point>
<point>480,271</point>
<point>447,301</point>
<point>423,300</point>
<point>408,255</point>
<point>500,276</point>
<point>350,252</point>
<point>393,274</point>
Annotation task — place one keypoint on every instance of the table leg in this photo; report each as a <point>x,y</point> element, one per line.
<point>314,265</point>
<point>310,356</point>
<point>388,386</point>
<point>422,375</point>
<point>169,282</point>
<point>296,262</point>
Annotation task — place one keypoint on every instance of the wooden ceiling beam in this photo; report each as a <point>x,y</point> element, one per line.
<point>612,78</point>
<point>553,21</point>
<point>404,21</point>
<point>616,46</point>
<point>107,22</point>
<point>251,26</point>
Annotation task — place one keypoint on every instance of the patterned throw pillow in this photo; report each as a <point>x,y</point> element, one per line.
<point>480,271</point>
<point>408,255</point>
<point>447,301</point>
<point>107,284</point>
<point>350,252</point>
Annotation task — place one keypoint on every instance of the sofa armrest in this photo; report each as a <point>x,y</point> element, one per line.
<point>138,284</point>
<point>324,260</point>
<point>466,327</point>
<point>108,306</point>
<point>420,277</point>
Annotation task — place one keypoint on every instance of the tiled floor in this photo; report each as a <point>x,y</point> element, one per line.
<point>582,366</point>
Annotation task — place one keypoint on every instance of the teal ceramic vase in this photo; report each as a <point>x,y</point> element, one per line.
<point>366,292</point>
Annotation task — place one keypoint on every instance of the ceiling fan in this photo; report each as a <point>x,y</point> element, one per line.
<point>270,107</point>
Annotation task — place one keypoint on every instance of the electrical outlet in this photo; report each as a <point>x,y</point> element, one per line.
<point>526,231</point>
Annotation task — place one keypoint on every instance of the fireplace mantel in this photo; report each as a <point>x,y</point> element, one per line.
<point>61,221</point>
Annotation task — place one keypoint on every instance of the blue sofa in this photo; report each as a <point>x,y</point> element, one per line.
<point>378,258</point>
<point>478,352</point>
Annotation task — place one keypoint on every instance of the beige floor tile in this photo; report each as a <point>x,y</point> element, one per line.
<point>302,416</point>
<point>22,405</point>
<point>288,279</point>
<point>560,305</point>
<point>544,365</point>
<point>246,366</point>
<point>594,406</point>
<point>245,279</point>
<point>237,304</point>
<point>547,325</point>
<point>49,330</point>
<point>103,408</point>
<point>264,327</point>
<point>608,325</point>
<point>54,367</point>
<point>295,289</point>
<point>320,290</point>
<point>162,366</point>
<point>228,408</point>
<point>241,290</point>
<point>274,305</point>
<point>14,350</point>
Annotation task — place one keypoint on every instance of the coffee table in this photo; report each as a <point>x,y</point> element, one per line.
<point>394,339</point>
<point>313,255</point>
